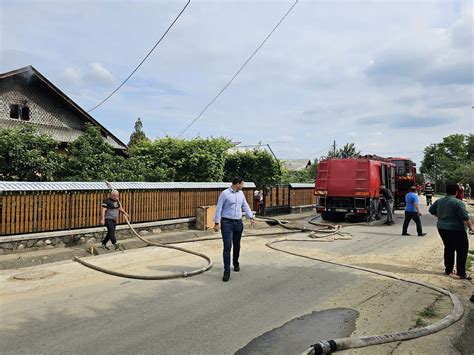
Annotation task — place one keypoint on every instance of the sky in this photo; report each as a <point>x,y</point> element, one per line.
<point>390,76</point>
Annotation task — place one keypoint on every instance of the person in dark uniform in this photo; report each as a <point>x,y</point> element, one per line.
<point>387,194</point>
<point>429,192</point>
<point>111,209</point>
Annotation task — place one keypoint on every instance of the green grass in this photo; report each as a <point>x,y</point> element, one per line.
<point>428,312</point>
<point>420,323</point>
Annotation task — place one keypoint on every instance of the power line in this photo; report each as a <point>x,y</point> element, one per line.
<point>143,60</point>
<point>238,72</point>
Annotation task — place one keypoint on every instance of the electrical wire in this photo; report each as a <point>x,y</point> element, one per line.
<point>238,71</point>
<point>143,60</point>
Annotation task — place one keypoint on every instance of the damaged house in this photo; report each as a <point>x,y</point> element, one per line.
<point>28,98</point>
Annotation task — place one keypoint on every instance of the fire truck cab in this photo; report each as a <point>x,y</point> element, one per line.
<point>405,178</point>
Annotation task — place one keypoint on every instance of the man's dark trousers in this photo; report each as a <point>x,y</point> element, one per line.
<point>412,216</point>
<point>454,241</point>
<point>231,230</point>
<point>110,224</point>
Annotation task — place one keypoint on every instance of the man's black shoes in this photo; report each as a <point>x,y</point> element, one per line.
<point>422,234</point>
<point>236,268</point>
<point>226,276</point>
<point>405,234</point>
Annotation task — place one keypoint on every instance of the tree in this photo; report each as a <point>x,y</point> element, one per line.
<point>138,135</point>
<point>89,157</point>
<point>27,155</point>
<point>257,166</point>
<point>450,160</point>
<point>347,151</point>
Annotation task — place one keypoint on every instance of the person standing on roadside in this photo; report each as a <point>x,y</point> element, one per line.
<point>453,220</point>
<point>387,194</point>
<point>429,192</point>
<point>111,209</point>
<point>460,192</point>
<point>467,193</point>
<point>412,212</point>
<point>229,217</point>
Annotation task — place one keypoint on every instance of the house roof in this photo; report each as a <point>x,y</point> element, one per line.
<point>237,148</point>
<point>296,164</point>
<point>56,132</point>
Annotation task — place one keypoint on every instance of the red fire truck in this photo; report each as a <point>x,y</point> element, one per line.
<point>352,185</point>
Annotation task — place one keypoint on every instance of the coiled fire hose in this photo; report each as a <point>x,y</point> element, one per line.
<point>151,277</point>
<point>330,346</point>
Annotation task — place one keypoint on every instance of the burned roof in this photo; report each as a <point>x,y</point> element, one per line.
<point>64,133</point>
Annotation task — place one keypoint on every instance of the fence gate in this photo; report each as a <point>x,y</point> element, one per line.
<point>276,199</point>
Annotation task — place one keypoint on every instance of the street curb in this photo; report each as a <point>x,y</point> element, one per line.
<point>51,255</point>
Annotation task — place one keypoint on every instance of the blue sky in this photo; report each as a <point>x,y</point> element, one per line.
<point>390,76</point>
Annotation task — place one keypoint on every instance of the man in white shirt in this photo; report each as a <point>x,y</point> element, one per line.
<point>229,217</point>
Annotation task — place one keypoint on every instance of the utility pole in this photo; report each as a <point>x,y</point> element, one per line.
<point>435,168</point>
<point>334,148</point>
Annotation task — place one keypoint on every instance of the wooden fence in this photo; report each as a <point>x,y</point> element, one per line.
<point>34,211</point>
<point>281,198</point>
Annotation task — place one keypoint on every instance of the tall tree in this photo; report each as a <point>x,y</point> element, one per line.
<point>138,135</point>
<point>450,160</point>
<point>27,155</point>
<point>347,151</point>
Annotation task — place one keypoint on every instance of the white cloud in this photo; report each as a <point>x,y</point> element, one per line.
<point>72,75</point>
<point>99,74</point>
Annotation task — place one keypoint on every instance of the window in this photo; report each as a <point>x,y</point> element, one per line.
<point>25,113</point>
<point>14,111</point>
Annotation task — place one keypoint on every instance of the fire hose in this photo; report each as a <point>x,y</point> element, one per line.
<point>330,346</point>
<point>322,347</point>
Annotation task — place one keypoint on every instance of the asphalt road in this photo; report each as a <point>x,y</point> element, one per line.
<point>80,311</point>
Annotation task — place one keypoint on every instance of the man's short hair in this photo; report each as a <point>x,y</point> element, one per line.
<point>413,188</point>
<point>452,188</point>
<point>237,180</point>
<point>114,192</point>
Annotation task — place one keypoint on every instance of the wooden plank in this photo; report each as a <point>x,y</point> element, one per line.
<point>37,212</point>
<point>5,209</point>
<point>83,209</point>
<point>44,211</point>
<point>47,211</point>
<point>31,197</point>
<point>62,209</point>
<point>26,223</point>
<point>14,214</point>
<point>4,215</point>
<point>55,211</point>
<point>73,210</point>
<point>94,208</point>
<point>22,213</point>
<point>8,207</point>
